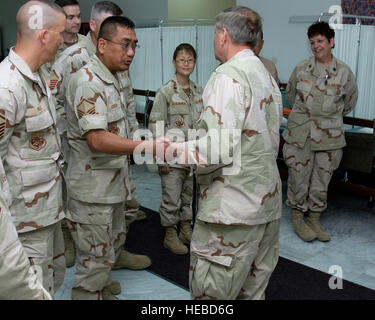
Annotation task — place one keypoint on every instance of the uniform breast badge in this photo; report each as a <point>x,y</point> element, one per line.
<point>113,128</point>
<point>37,141</point>
<point>180,121</point>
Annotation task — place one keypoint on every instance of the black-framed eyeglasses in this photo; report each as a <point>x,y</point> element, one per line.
<point>126,46</point>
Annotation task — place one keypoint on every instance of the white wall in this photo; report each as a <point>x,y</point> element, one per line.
<point>134,9</point>
<point>286,43</point>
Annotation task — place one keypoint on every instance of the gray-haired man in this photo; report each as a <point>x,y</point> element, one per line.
<point>234,246</point>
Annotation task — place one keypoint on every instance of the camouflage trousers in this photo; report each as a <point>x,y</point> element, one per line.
<point>18,280</point>
<point>309,175</point>
<point>131,206</point>
<point>232,262</point>
<point>99,233</point>
<point>177,194</point>
<point>65,149</point>
<point>45,248</point>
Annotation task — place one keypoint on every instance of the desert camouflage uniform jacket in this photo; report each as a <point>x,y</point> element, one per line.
<point>242,97</point>
<point>17,279</point>
<point>95,101</point>
<point>69,62</point>
<point>319,101</point>
<point>64,46</point>
<point>176,109</point>
<point>29,146</point>
<point>60,50</point>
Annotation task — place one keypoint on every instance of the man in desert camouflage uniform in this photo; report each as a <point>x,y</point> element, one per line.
<point>29,144</point>
<point>71,33</point>
<point>70,36</point>
<point>72,27</point>
<point>321,90</point>
<point>97,176</point>
<point>69,62</point>
<point>17,278</point>
<point>234,248</point>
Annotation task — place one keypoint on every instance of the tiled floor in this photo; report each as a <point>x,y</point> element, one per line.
<point>348,219</point>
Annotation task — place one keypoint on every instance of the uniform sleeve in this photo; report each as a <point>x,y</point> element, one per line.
<point>351,95</point>
<point>57,84</point>
<point>222,119</point>
<point>18,281</point>
<point>159,112</point>
<point>131,111</point>
<point>62,71</point>
<point>291,88</point>
<point>4,186</point>
<point>8,112</point>
<point>89,106</point>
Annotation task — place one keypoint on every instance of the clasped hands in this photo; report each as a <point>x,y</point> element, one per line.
<point>166,151</point>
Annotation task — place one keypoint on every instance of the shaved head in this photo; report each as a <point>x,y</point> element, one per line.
<point>36,15</point>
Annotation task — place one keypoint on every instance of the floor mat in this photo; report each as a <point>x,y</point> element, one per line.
<point>289,281</point>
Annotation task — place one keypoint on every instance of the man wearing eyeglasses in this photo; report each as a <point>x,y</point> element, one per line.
<point>97,176</point>
<point>69,62</point>
<point>29,144</point>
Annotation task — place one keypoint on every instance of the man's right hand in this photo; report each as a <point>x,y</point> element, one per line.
<point>160,146</point>
<point>165,169</point>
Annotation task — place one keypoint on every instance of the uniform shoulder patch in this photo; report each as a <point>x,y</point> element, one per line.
<point>3,123</point>
<point>87,106</point>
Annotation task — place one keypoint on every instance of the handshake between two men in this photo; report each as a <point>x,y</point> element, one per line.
<point>164,151</point>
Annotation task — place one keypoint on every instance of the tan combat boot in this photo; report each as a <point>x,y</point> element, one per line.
<point>82,294</point>
<point>173,243</point>
<point>141,215</point>
<point>185,232</point>
<point>131,261</point>
<point>314,223</point>
<point>114,287</point>
<point>70,253</point>
<point>300,227</point>
<point>108,295</point>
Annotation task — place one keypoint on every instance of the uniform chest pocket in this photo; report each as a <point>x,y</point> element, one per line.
<point>179,108</point>
<point>303,91</point>
<point>332,99</point>
<point>116,120</point>
<point>334,92</point>
<point>197,110</point>
<point>179,115</point>
<point>115,112</point>
<point>40,140</point>
<point>39,121</point>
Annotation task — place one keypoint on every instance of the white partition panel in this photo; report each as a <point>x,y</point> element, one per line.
<point>359,55</point>
<point>346,45</point>
<point>146,69</point>
<point>346,48</point>
<point>366,74</point>
<point>206,55</point>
